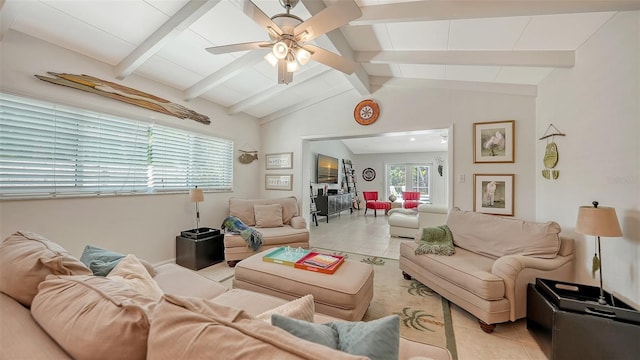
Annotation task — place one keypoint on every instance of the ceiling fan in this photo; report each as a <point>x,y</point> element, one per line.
<point>290,37</point>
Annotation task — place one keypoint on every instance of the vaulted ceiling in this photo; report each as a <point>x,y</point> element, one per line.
<point>485,42</point>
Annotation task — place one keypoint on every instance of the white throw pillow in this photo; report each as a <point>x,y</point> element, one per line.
<point>301,309</point>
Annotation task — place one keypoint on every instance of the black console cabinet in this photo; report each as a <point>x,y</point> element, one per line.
<point>333,204</point>
<point>197,252</point>
<point>564,334</point>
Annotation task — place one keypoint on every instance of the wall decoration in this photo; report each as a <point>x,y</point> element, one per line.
<point>366,112</point>
<point>368,174</point>
<point>551,155</point>
<point>247,156</point>
<point>123,93</point>
<point>493,142</point>
<point>493,194</point>
<point>279,161</point>
<point>278,182</point>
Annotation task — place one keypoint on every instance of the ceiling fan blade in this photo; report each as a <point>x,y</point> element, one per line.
<point>224,49</point>
<point>328,58</point>
<point>260,18</point>
<point>328,19</point>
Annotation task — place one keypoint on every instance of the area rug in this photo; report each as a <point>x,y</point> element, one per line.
<point>425,316</point>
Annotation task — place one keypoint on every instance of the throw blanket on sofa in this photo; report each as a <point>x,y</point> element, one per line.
<point>252,236</point>
<point>436,240</point>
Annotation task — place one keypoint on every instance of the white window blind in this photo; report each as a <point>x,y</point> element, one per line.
<point>48,150</point>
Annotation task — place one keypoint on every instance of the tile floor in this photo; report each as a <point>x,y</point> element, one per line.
<point>370,235</point>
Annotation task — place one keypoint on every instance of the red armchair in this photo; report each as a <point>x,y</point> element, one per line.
<point>411,199</point>
<point>371,202</point>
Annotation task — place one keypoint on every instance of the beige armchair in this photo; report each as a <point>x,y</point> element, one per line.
<point>277,220</point>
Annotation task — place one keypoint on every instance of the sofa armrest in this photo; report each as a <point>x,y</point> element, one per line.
<point>298,222</point>
<point>519,270</point>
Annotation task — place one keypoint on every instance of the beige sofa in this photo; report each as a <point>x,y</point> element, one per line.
<point>407,222</point>
<point>53,308</point>
<point>495,258</point>
<point>289,229</point>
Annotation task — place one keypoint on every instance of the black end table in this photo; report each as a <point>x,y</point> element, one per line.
<point>197,250</point>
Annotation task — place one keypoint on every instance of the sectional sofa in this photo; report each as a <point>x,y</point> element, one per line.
<point>52,306</point>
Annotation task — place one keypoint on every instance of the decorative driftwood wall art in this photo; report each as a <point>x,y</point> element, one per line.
<point>123,93</point>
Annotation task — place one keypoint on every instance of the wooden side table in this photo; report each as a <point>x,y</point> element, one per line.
<point>394,205</point>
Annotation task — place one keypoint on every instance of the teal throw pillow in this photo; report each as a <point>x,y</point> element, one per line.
<point>436,240</point>
<point>376,339</point>
<point>100,261</point>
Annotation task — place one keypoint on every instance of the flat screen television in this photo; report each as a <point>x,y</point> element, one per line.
<point>327,169</point>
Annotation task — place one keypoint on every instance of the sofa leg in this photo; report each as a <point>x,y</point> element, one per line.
<point>406,276</point>
<point>488,328</point>
<point>232,263</point>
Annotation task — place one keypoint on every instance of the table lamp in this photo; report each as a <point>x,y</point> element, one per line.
<point>598,221</point>
<point>196,195</point>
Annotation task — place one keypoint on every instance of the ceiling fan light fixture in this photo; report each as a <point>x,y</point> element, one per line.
<point>292,66</point>
<point>280,50</point>
<point>303,56</point>
<point>271,59</point>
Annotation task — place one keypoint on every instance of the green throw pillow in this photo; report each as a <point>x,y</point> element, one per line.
<point>436,240</point>
<point>102,261</point>
<point>377,339</point>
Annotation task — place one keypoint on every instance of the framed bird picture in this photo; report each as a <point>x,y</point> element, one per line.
<point>494,142</point>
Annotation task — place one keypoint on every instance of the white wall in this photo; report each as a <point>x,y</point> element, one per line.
<point>378,163</point>
<point>596,105</point>
<point>143,224</point>
<point>416,108</point>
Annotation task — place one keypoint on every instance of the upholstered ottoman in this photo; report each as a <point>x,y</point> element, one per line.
<point>345,294</point>
<point>403,223</point>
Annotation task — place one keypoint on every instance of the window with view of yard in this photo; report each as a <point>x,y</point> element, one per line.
<point>409,177</point>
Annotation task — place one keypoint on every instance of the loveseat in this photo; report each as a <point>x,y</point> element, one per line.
<point>53,307</point>
<point>495,258</point>
<point>278,220</point>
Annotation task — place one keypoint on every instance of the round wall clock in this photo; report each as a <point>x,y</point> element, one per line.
<point>366,112</point>
<point>368,174</point>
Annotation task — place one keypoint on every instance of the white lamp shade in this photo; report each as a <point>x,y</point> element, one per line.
<point>272,59</point>
<point>598,221</point>
<point>280,50</point>
<point>303,56</point>
<point>292,66</point>
<point>196,195</point>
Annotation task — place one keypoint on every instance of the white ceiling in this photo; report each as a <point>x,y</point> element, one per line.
<point>515,42</point>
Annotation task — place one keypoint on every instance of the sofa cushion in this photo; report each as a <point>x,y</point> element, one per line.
<point>467,270</point>
<point>131,272</point>
<point>192,328</point>
<point>302,309</point>
<point>268,216</point>
<point>21,337</point>
<point>497,236</point>
<point>102,261</point>
<point>26,259</point>
<point>93,317</point>
<point>377,339</point>
<point>243,208</point>
<point>175,279</point>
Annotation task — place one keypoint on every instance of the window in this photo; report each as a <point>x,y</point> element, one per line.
<point>409,177</point>
<point>49,150</point>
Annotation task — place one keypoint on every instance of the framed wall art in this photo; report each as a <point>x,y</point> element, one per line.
<point>278,182</point>
<point>279,161</point>
<point>494,142</point>
<point>493,194</point>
